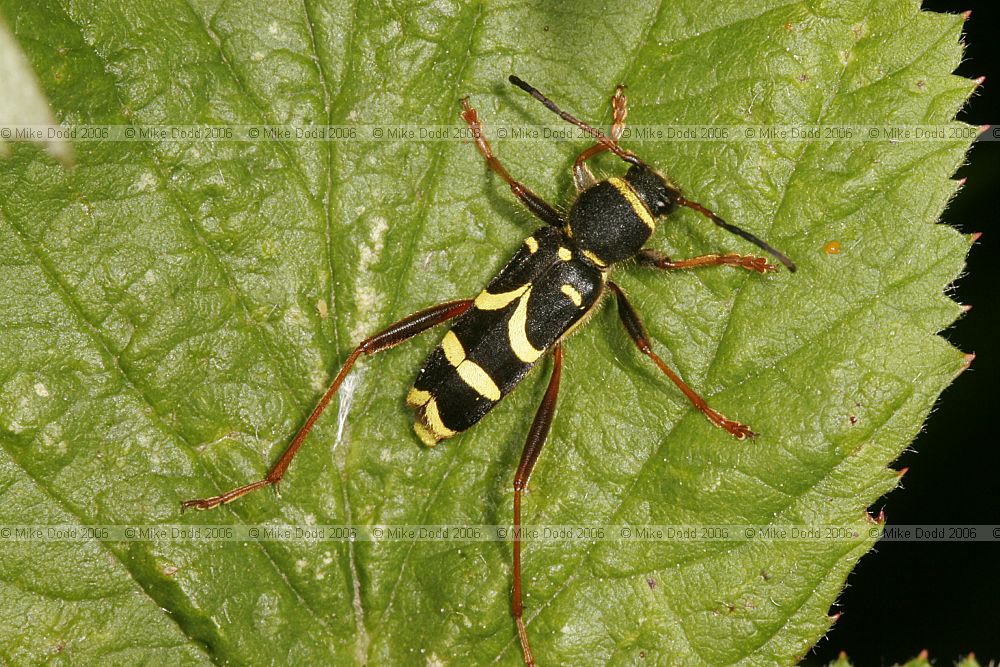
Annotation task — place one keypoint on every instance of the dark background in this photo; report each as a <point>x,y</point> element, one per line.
<point>945,597</point>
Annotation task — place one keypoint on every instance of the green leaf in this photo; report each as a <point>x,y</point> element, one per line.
<point>170,312</point>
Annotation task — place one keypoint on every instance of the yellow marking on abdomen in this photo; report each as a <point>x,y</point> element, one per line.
<point>436,427</point>
<point>517,332</point>
<point>565,254</point>
<point>633,200</point>
<point>425,435</point>
<point>476,377</point>
<point>572,293</point>
<point>532,244</point>
<point>471,373</point>
<point>487,301</point>
<point>417,397</point>
<point>453,350</point>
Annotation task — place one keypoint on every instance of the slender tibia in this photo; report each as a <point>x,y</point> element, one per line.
<point>401,331</point>
<point>538,206</point>
<point>582,175</point>
<point>635,328</point>
<point>655,259</point>
<point>529,455</point>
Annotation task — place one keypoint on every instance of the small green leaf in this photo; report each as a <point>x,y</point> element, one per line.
<point>171,311</point>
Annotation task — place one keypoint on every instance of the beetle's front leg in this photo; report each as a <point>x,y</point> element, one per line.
<point>538,206</point>
<point>582,176</point>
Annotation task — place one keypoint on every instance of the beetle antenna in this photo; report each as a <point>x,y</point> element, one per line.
<point>599,136</point>
<point>742,233</point>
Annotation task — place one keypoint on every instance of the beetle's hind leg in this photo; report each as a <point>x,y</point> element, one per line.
<point>582,176</point>
<point>529,456</point>
<point>401,331</point>
<point>538,206</point>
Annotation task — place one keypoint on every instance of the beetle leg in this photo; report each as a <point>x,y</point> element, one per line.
<point>538,206</point>
<point>654,259</point>
<point>635,328</point>
<point>529,455</point>
<point>401,331</point>
<point>582,176</point>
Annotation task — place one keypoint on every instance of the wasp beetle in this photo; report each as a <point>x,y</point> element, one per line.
<point>554,281</point>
